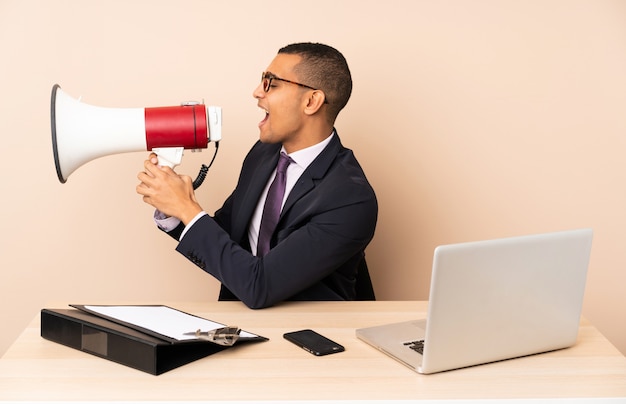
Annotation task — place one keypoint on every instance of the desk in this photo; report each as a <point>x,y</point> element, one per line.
<point>37,369</point>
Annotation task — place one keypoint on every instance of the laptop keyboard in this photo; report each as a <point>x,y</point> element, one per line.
<point>417,346</point>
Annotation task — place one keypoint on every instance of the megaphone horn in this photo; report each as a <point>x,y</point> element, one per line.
<point>83,132</point>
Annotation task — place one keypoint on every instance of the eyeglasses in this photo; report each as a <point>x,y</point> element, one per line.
<point>267,77</point>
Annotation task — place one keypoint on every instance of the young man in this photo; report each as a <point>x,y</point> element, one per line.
<point>315,250</point>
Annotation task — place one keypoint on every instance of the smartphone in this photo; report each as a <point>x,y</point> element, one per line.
<point>313,342</point>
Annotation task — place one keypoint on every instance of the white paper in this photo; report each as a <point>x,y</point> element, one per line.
<point>161,319</point>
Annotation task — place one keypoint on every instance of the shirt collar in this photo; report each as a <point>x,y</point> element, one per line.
<point>305,157</point>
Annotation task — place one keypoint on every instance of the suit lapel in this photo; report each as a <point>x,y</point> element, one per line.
<point>313,173</point>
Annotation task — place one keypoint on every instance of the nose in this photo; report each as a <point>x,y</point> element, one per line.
<point>258,91</point>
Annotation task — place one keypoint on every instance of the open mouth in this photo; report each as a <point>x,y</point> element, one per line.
<point>265,117</point>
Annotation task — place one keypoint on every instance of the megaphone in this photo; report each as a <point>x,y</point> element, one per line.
<point>83,132</point>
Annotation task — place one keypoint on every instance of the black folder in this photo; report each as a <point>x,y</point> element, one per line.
<point>145,351</point>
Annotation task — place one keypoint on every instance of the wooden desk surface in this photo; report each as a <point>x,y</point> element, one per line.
<point>37,369</point>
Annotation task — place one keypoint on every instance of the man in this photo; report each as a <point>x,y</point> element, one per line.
<point>329,210</point>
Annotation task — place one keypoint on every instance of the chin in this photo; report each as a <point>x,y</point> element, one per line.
<point>264,138</point>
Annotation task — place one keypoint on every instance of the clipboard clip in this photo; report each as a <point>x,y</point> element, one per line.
<point>225,336</point>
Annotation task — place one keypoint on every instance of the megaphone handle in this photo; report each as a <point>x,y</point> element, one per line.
<point>169,156</point>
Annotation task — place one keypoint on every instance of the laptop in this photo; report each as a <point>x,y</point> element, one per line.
<point>494,300</point>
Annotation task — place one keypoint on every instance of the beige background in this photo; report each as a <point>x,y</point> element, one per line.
<point>473,120</point>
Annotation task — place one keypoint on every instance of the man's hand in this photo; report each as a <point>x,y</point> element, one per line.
<point>170,193</point>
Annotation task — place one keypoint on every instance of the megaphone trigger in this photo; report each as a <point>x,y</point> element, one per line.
<point>169,156</point>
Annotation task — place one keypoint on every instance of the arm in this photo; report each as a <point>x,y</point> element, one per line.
<point>318,247</point>
<point>321,234</point>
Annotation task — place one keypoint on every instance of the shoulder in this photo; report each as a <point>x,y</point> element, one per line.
<point>344,172</point>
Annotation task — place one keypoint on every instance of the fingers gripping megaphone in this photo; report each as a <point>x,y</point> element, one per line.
<point>83,132</point>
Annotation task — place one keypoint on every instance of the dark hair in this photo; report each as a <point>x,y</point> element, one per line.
<point>323,67</point>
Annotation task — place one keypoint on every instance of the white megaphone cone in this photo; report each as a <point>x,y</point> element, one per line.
<point>83,132</point>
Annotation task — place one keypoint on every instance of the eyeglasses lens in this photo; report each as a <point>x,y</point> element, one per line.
<point>266,80</point>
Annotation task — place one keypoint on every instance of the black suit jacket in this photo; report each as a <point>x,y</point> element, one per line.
<point>327,221</point>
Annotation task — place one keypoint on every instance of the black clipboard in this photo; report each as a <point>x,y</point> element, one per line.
<point>128,344</point>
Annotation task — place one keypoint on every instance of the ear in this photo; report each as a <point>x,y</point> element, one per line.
<point>315,101</point>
